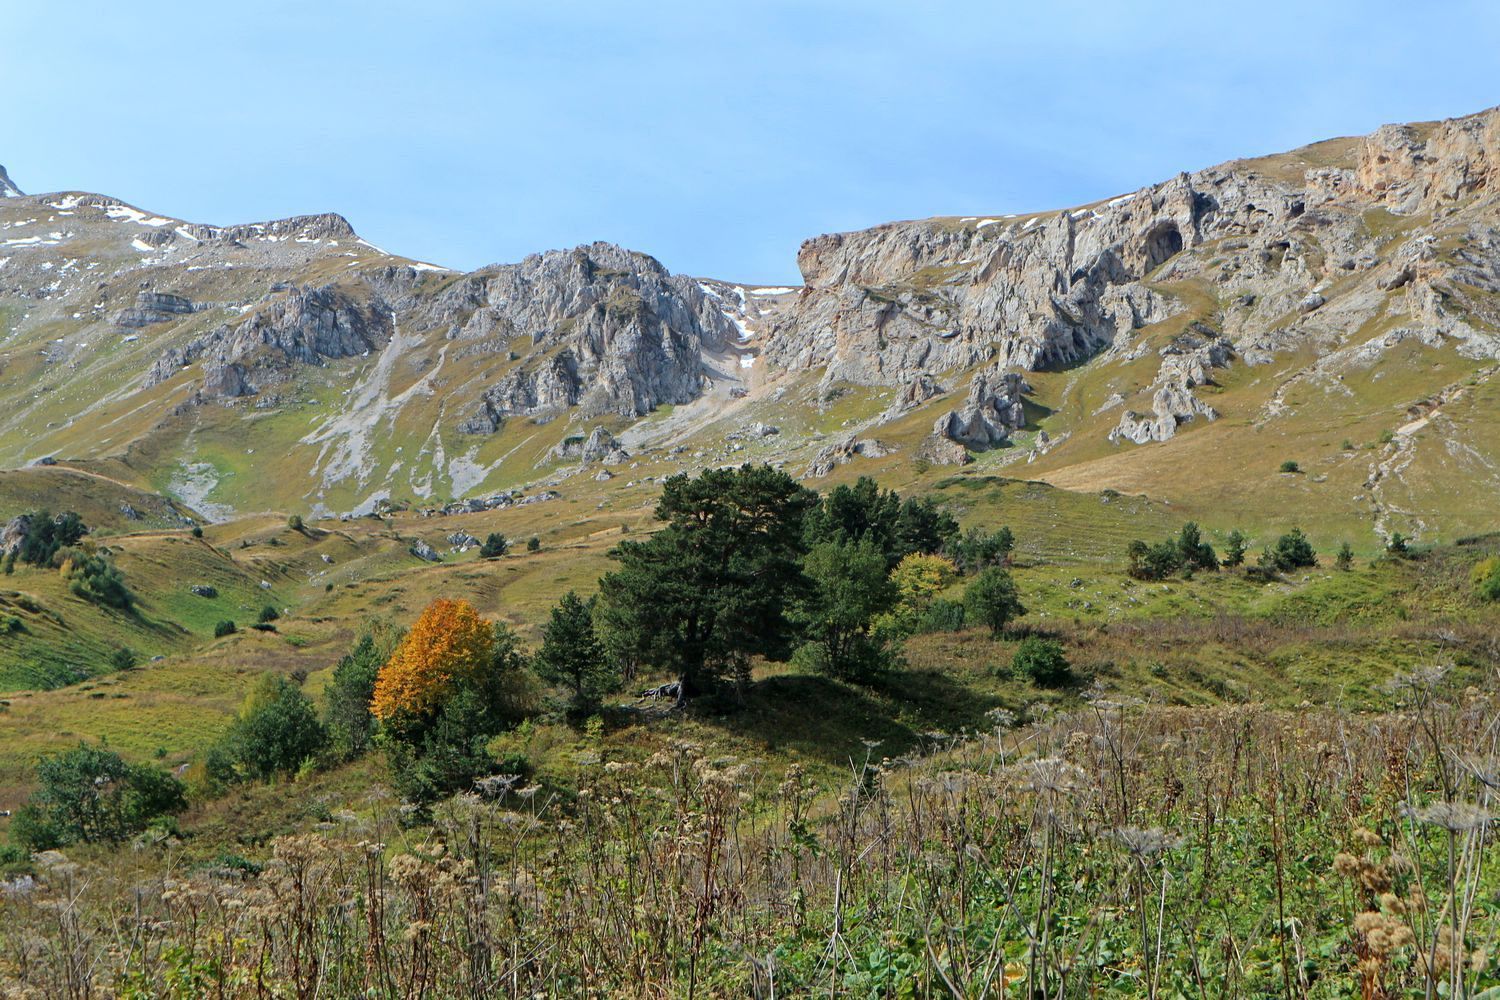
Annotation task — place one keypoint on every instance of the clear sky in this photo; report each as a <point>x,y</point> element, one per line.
<point>716,136</point>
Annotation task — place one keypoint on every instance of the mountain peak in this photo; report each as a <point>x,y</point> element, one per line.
<point>8,187</point>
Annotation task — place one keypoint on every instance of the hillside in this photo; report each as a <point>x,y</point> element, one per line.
<point>944,625</point>
<point>1333,306</point>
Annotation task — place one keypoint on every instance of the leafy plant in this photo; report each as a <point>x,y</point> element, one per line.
<point>993,600</point>
<point>1041,661</point>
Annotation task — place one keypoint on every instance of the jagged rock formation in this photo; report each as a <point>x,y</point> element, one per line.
<point>384,377</point>
<point>608,330</point>
<point>845,450</point>
<point>600,447</point>
<point>993,409</point>
<point>8,187</point>
<point>1187,362</point>
<point>291,325</point>
<point>153,307</point>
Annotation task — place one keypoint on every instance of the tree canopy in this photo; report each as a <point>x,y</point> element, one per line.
<point>710,589</point>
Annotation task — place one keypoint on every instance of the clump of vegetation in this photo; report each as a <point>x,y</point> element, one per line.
<point>849,590</point>
<point>123,658</point>
<point>45,536</point>
<point>1235,547</point>
<point>1486,579</point>
<point>295,523</point>
<point>95,578</point>
<point>977,549</point>
<point>533,544</point>
<point>224,627</point>
<point>1292,551</point>
<point>452,684</point>
<point>1186,553</point>
<point>1290,466</point>
<point>275,733</point>
<point>495,546</point>
<point>1398,545</point>
<point>572,655</point>
<point>1044,662</point>
<point>351,689</point>
<point>992,599</point>
<point>1344,561</point>
<point>268,614</point>
<point>91,795</point>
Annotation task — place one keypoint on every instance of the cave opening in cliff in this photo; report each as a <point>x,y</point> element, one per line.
<point>1162,243</point>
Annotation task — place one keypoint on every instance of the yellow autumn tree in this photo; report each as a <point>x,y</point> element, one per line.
<point>448,644</point>
<point>919,579</point>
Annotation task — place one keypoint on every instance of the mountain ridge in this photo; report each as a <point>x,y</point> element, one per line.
<point>379,378</point>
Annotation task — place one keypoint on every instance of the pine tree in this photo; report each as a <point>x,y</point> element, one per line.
<point>571,654</point>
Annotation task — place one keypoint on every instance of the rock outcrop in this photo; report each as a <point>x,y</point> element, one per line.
<point>1187,362</point>
<point>293,324</point>
<point>600,448</point>
<point>8,187</point>
<point>607,330</point>
<point>845,450</point>
<point>993,409</point>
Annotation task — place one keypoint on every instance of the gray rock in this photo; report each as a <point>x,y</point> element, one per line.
<point>599,447</point>
<point>422,550</point>
<point>845,451</point>
<point>993,409</point>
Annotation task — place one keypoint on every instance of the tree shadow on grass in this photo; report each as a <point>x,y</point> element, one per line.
<point>832,720</point>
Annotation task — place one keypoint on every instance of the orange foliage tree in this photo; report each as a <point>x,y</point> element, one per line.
<point>448,644</point>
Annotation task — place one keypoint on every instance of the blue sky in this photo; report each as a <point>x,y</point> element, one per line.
<point>714,135</point>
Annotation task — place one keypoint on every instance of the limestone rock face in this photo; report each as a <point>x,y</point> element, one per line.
<point>993,409</point>
<point>604,329</point>
<point>845,450</point>
<point>291,325</point>
<point>1187,362</point>
<point>600,447</point>
<point>1408,168</point>
<point>13,535</point>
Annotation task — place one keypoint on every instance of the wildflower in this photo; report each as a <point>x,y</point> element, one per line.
<point>1455,817</point>
<point>1143,843</point>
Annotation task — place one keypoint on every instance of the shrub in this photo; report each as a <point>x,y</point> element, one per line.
<point>268,614</point>
<point>1041,661</point>
<point>918,580</point>
<point>1153,562</point>
<point>452,684</point>
<point>494,546</point>
<point>1387,436</point>
<point>94,578</point>
<point>346,709</point>
<point>14,624</point>
<point>197,531</point>
<point>533,544</point>
<point>223,628</point>
<point>295,522</point>
<point>123,659</point>
<point>276,730</point>
<point>1290,466</point>
<point>1345,558</point>
<point>1397,545</point>
<point>1486,579</point>
<point>1195,552</point>
<point>91,794</point>
<point>942,615</point>
<point>1293,551</point>
<point>1234,548</point>
<point>992,600</point>
<point>976,549</point>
